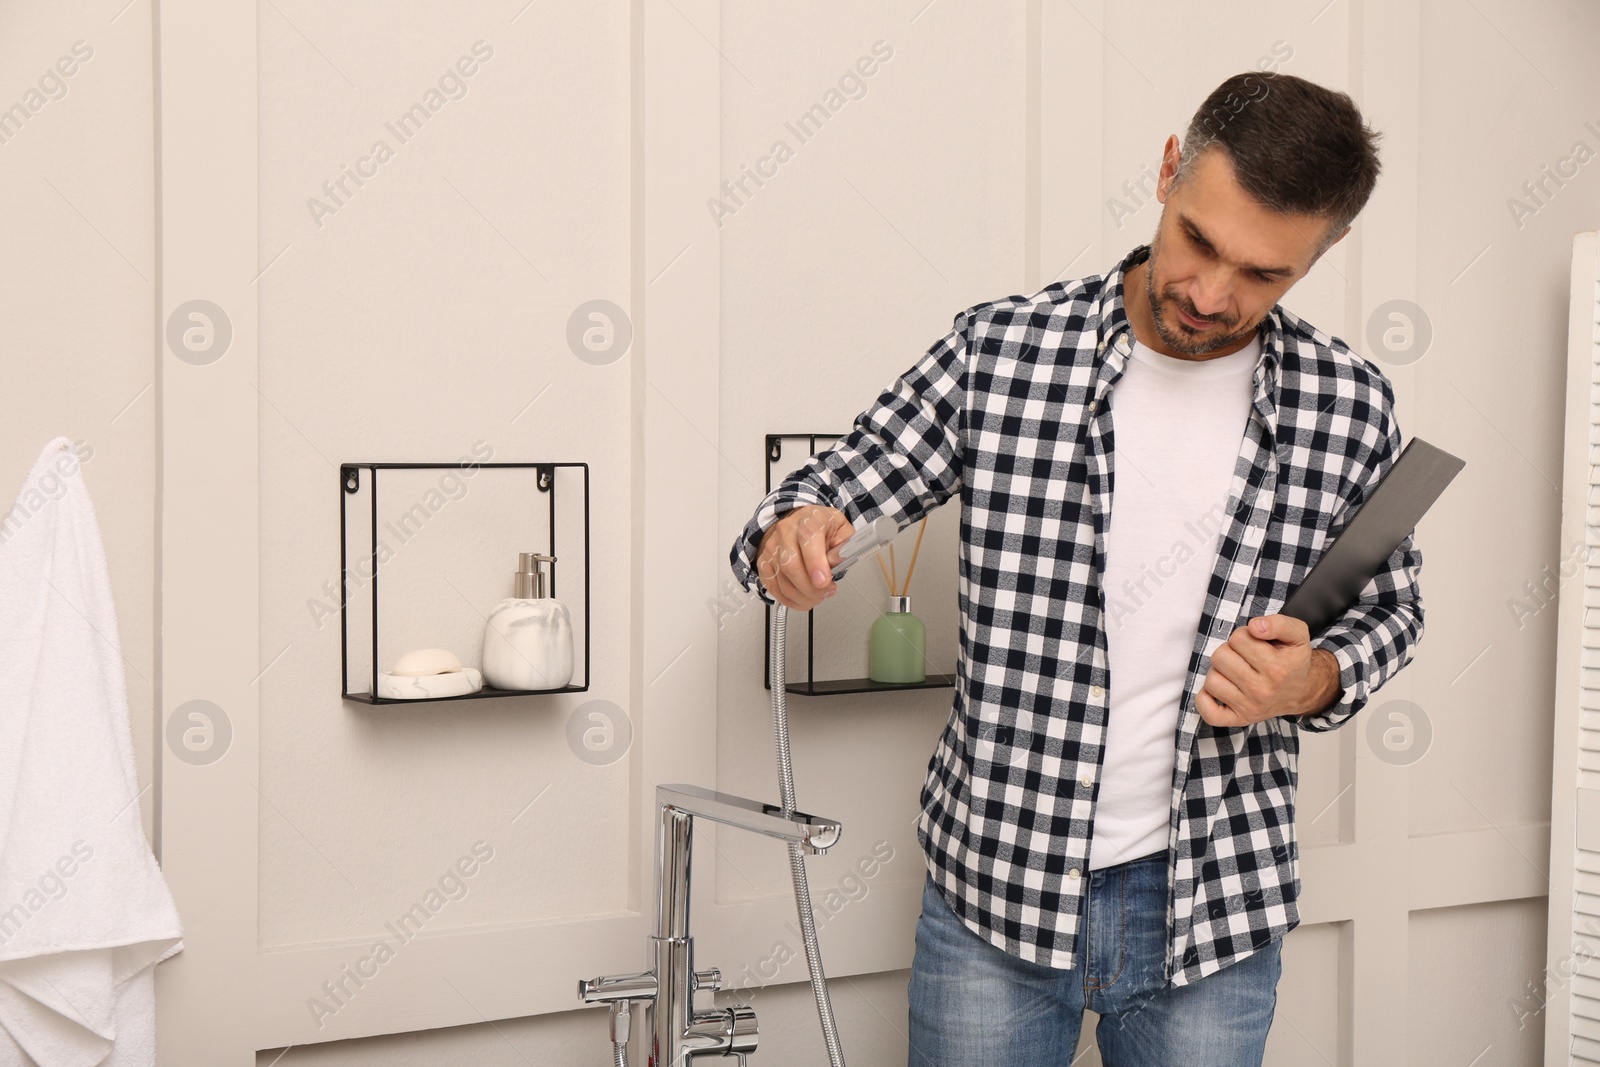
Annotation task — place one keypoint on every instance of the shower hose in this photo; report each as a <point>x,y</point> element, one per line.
<point>797,863</point>
<point>867,537</point>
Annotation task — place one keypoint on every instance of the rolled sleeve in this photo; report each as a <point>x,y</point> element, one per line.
<point>902,457</point>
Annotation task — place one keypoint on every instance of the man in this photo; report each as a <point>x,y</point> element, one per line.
<point>1108,817</point>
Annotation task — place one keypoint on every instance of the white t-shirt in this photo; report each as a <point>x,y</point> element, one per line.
<point>1177,425</point>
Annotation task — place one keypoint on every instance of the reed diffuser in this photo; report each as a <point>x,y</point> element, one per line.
<point>896,647</point>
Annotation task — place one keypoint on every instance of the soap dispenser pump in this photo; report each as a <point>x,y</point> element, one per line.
<point>527,642</point>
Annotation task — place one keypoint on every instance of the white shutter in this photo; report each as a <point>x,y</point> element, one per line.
<point>1571,991</point>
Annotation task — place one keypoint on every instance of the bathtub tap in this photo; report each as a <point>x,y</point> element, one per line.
<point>678,1030</point>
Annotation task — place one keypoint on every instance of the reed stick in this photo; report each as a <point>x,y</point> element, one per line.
<point>885,568</point>
<point>922,528</point>
<point>894,569</point>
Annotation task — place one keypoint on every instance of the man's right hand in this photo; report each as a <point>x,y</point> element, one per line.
<point>798,554</point>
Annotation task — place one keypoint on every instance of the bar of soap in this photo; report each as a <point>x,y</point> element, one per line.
<point>429,686</point>
<point>426,661</point>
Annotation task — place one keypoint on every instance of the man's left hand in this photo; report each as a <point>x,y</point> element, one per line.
<point>1265,669</point>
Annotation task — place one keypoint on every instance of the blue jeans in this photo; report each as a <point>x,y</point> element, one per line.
<point>973,1004</point>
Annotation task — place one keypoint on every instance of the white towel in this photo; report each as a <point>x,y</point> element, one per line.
<point>84,911</point>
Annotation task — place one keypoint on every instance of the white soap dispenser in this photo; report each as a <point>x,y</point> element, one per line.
<point>527,643</point>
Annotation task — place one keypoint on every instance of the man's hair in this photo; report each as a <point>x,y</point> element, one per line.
<point>1296,147</point>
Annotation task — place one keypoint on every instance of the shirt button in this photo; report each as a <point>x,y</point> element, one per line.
<point>1086,782</point>
<point>1096,691</point>
<point>1093,404</point>
<point>1074,874</point>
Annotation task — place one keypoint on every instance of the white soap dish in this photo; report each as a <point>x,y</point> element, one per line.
<point>457,683</point>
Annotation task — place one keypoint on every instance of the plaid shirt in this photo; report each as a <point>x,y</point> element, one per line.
<point>1011,410</point>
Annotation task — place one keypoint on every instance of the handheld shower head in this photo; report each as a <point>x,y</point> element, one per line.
<point>867,538</point>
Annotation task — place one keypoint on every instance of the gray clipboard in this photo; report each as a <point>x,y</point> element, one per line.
<point>1390,513</point>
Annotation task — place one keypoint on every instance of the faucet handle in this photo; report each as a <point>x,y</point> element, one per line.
<point>743,1033</point>
<point>711,979</point>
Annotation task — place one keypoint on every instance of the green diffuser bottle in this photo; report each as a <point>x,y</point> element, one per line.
<point>896,649</point>
<point>897,645</point>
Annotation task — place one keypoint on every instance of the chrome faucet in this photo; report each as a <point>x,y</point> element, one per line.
<point>678,1031</point>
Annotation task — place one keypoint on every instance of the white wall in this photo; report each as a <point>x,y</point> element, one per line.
<point>424,317</point>
<point>431,308</point>
<point>76,299</point>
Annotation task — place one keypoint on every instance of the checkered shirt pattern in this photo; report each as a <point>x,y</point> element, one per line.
<point>1012,411</point>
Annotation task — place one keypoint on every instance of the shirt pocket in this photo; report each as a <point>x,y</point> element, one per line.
<point>1312,495</point>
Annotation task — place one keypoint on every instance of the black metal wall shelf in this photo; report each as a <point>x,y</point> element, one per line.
<point>545,482</point>
<point>842,686</point>
<point>810,686</point>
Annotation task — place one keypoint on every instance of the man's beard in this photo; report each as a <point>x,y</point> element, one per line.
<point>1182,341</point>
